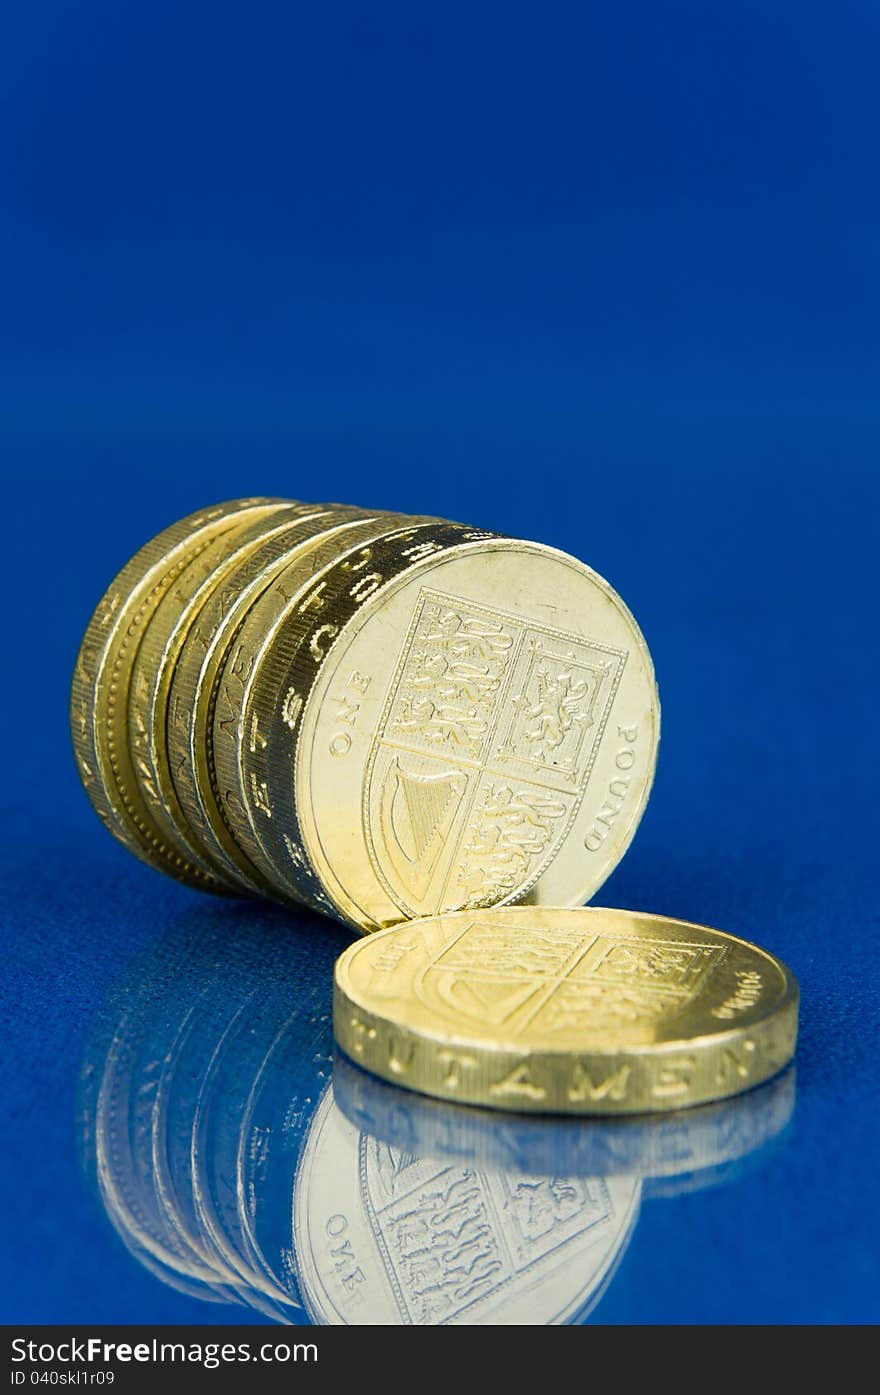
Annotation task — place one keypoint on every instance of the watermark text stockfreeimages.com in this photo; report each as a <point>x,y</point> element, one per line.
<point>96,1351</point>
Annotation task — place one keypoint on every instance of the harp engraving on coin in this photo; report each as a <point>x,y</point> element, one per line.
<point>563,984</point>
<point>482,753</point>
<point>417,814</point>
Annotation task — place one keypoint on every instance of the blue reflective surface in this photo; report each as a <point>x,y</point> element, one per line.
<point>202,1156</point>
<point>604,278</point>
<point>239,1164</point>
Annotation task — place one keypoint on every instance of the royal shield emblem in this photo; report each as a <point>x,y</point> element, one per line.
<point>482,754</point>
<point>562,984</point>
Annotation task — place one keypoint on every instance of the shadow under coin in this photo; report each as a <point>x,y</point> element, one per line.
<point>234,1170</point>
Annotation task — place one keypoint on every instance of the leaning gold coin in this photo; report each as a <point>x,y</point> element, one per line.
<point>565,1011</point>
<point>100,691</point>
<point>482,728</point>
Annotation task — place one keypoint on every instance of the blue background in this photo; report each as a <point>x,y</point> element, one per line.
<point>604,276</point>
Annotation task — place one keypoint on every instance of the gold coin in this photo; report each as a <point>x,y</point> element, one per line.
<point>565,1011</point>
<point>193,690</point>
<point>154,666</point>
<point>99,696</point>
<point>479,725</point>
<point>294,617</point>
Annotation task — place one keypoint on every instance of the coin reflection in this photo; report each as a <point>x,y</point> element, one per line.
<point>235,1169</point>
<point>671,1153</point>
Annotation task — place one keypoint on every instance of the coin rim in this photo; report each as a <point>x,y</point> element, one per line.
<point>153,664</point>
<point>95,678</point>
<point>229,759</point>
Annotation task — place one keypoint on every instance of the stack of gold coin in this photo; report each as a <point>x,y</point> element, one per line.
<point>382,717</point>
<point>409,724</point>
